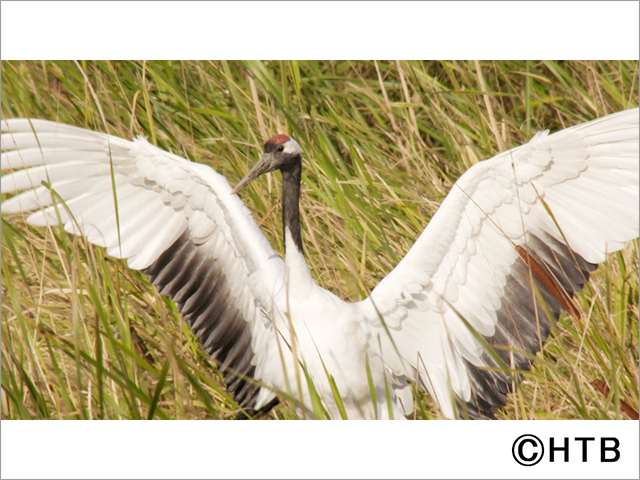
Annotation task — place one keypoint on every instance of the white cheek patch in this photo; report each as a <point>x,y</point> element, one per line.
<point>291,146</point>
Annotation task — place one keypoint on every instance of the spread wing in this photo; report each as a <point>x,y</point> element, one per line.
<point>174,220</point>
<point>516,237</point>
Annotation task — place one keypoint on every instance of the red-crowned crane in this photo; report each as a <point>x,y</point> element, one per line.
<point>470,303</point>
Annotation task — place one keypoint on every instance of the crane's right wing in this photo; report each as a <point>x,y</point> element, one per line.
<point>173,219</point>
<point>517,235</point>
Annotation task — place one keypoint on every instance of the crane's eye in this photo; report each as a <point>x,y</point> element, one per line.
<point>280,148</point>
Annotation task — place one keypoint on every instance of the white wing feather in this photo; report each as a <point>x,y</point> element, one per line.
<point>161,198</point>
<point>463,270</point>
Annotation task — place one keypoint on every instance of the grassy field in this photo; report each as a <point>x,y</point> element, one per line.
<point>84,337</point>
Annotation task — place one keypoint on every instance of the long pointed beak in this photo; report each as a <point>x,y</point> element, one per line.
<point>263,166</point>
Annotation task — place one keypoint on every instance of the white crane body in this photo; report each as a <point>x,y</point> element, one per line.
<point>471,302</point>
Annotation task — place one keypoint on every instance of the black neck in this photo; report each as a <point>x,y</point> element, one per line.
<point>290,203</point>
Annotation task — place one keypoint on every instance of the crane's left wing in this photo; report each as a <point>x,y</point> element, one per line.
<point>477,294</point>
<point>173,219</point>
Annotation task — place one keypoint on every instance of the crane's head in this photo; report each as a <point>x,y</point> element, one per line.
<point>280,153</point>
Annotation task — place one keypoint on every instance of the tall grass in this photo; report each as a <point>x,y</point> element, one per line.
<point>85,337</point>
